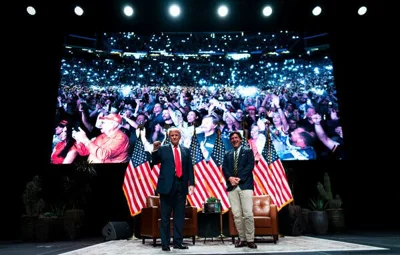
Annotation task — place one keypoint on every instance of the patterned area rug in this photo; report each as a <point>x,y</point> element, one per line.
<point>215,246</point>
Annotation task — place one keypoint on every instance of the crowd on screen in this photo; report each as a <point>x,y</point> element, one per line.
<point>194,42</point>
<point>291,99</point>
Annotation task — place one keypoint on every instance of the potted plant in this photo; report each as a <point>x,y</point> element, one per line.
<point>49,225</point>
<point>298,221</point>
<point>77,190</point>
<point>34,205</point>
<point>334,205</point>
<point>318,217</point>
<point>212,205</point>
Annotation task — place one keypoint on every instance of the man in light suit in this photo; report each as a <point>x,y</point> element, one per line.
<point>240,186</point>
<point>175,182</point>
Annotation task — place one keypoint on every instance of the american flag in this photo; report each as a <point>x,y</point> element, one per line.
<point>200,193</point>
<point>245,142</point>
<point>257,184</point>
<point>272,176</point>
<point>258,191</point>
<point>137,182</point>
<point>215,176</point>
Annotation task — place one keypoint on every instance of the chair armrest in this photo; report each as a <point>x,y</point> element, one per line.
<point>149,219</point>
<point>191,225</point>
<point>273,212</point>
<point>190,212</point>
<point>232,227</point>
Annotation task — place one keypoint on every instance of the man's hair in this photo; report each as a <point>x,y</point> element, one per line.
<point>174,129</point>
<point>237,133</point>
<point>213,117</point>
<point>307,138</point>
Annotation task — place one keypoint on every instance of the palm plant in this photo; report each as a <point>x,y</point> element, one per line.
<point>77,189</point>
<point>318,204</point>
<point>31,198</point>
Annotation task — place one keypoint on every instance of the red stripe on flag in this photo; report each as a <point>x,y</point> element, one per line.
<point>154,175</point>
<point>217,184</point>
<point>281,179</point>
<point>260,174</point>
<point>137,186</point>
<point>129,190</point>
<point>269,186</point>
<point>276,184</point>
<point>200,193</point>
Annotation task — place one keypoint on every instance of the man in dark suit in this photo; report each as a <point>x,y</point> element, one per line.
<point>176,175</point>
<point>238,167</point>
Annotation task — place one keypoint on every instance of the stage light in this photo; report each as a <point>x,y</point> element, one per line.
<point>78,11</point>
<point>30,10</point>
<point>316,11</point>
<point>222,11</point>
<point>362,10</point>
<point>267,11</point>
<point>128,11</point>
<point>174,10</point>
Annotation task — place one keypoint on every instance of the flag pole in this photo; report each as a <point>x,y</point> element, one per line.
<point>267,122</point>
<point>195,135</point>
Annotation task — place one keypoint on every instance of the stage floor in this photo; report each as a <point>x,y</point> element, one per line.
<point>349,243</point>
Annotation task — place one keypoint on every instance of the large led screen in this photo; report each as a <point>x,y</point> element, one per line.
<point>276,88</point>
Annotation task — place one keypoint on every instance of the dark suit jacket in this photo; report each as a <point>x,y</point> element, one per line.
<point>165,156</point>
<point>245,168</point>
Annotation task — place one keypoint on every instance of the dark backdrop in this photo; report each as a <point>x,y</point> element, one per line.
<point>366,182</point>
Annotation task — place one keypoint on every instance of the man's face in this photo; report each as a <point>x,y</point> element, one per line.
<point>295,136</point>
<point>254,131</point>
<point>236,141</point>
<point>107,126</point>
<point>207,125</point>
<point>140,119</point>
<point>165,115</point>
<point>310,112</point>
<point>174,137</point>
<point>157,109</point>
<point>262,110</point>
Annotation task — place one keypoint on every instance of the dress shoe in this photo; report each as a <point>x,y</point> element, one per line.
<point>252,245</point>
<point>166,248</point>
<point>240,244</point>
<point>181,247</point>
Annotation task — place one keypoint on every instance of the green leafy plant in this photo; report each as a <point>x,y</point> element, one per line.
<point>58,210</point>
<point>47,215</point>
<point>212,199</point>
<point>325,191</point>
<point>86,167</point>
<point>77,187</point>
<point>318,204</point>
<point>33,203</point>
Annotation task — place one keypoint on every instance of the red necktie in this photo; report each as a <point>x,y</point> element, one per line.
<point>178,164</point>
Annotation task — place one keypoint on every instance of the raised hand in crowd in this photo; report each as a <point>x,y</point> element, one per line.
<point>80,136</point>
<point>327,141</point>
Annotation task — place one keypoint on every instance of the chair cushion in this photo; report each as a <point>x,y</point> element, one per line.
<point>261,205</point>
<point>262,222</point>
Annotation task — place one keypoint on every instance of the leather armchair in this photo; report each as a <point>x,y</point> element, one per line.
<point>265,219</point>
<point>151,220</point>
